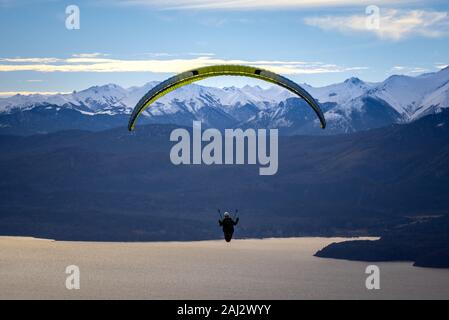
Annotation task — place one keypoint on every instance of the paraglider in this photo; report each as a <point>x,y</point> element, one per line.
<point>187,77</point>
<point>228,223</point>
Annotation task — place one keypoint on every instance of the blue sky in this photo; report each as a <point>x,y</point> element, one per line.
<point>130,42</point>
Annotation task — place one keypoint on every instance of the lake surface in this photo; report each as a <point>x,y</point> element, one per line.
<point>244,269</point>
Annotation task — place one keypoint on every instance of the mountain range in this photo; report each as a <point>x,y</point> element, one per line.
<point>350,106</point>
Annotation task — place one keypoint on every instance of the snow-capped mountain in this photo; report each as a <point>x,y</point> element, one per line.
<point>95,99</point>
<point>340,93</point>
<point>349,106</point>
<point>397,99</point>
<point>407,94</point>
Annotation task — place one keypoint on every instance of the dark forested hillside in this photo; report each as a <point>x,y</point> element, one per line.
<point>116,185</point>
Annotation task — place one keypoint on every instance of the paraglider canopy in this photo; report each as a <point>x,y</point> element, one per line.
<point>187,77</point>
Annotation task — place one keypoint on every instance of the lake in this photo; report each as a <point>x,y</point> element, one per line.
<point>243,269</point>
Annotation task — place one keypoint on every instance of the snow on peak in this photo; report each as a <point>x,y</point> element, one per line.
<point>354,81</point>
<point>411,97</point>
<point>340,93</point>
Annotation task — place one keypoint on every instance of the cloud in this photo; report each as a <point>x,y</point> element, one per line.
<point>89,55</point>
<point>409,70</point>
<point>30,60</point>
<point>249,4</point>
<point>159,54</point>
<point>181,54</point>
<point>89,60</point>
<point>34,80</point>
<point>6,94</point>
<point>203,54</point>
<point>440,65</point>
<point>393,24</point>
<point>169,65</point>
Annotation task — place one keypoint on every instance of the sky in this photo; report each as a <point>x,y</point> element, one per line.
<point>131,42</point>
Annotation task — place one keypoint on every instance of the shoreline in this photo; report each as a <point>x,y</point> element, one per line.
<point>189,241</point>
